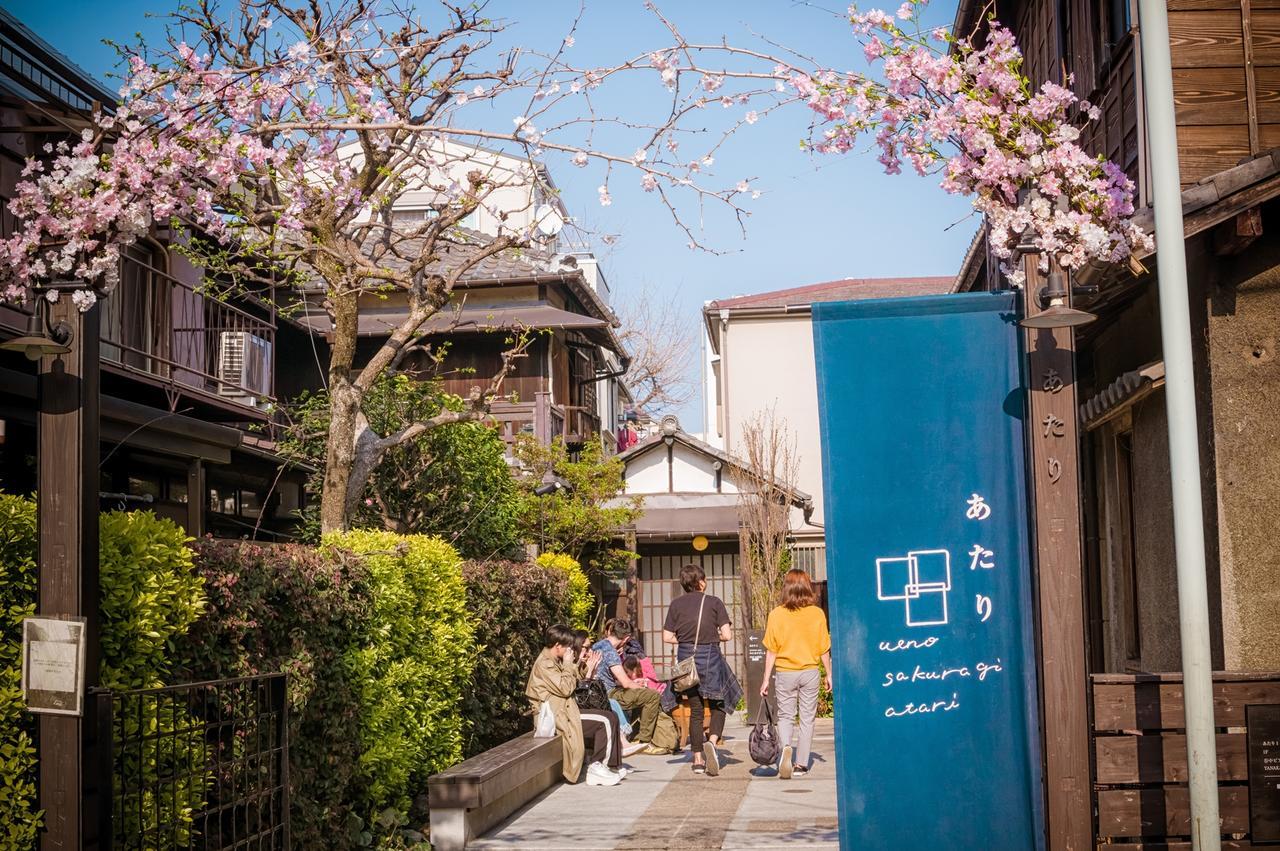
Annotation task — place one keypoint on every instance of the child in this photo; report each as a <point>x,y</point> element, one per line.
<point>641,670</point>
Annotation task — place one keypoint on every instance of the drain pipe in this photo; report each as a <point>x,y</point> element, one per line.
<point>1184,445</point>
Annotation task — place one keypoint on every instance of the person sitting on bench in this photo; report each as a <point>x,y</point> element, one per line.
<point>656,727</point>
<point>634,650</point>
<point>553,679</point>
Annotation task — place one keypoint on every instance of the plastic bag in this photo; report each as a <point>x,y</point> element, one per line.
<point>545,728</point>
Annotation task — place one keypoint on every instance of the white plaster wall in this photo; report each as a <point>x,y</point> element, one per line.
<point>692,472</point>
<point>769,362</point>
<point>648,472</point>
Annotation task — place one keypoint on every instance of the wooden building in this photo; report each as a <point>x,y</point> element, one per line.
<point>568,382</point>
<point>188,380</point>
<point>1226,78</point>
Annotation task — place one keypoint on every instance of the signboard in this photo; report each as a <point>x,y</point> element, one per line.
<point>1263,725</point>
<point>53,665</point>
<point>928,573</point>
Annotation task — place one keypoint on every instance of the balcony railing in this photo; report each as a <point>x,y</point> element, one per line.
<point>155,325</point>
<point>544,420</point>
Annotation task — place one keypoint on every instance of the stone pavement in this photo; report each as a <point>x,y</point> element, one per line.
<point>663,804</point>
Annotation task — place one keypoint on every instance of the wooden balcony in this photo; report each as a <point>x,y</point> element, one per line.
<point>545,421</point>
<point>163,330</point>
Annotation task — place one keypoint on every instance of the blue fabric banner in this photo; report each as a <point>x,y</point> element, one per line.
<point>928,563</point>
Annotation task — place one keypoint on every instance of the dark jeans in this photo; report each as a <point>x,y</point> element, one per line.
<point>695,719</point>
<point>600,735</point>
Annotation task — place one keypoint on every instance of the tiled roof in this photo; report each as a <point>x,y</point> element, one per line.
<point>511,265</point>
<point>847,289</point>
<point>454,251</point>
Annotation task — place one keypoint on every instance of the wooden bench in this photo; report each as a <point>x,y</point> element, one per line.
<point>475,795</point>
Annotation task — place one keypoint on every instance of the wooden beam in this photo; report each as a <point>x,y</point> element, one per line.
<point>1232,237</point>
<point>67,451</point>
<point>1059,566</point>
<point>1250,80</point>
<point>195,497</point>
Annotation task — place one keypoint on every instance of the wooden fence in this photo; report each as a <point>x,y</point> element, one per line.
<point>1140,757</point>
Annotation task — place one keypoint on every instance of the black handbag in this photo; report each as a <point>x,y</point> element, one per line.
<point>763,741</point>
<point>590,696</point>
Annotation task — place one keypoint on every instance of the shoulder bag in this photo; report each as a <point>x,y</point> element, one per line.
<point>685,674</point>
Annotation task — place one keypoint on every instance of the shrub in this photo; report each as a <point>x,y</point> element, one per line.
<point>512,602</point>
<point>583,518</point>
<point>303,611</point>
<point>581,601</point>
<point>415,668</point>
<point>19,819</point>
<point>149,598</point>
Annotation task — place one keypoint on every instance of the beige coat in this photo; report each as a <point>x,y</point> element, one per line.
<point>553,681</point>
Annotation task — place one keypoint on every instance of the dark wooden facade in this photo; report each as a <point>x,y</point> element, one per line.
<point>1225,55</point>
<point>188,379</point>
<point>1226,75</point>
<point>1140,754</point>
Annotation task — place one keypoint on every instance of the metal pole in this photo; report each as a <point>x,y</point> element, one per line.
<point>1184,446</point>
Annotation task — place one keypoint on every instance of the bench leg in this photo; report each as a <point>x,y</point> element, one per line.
<point>449,829</point>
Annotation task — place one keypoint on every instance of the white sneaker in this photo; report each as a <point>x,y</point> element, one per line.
<point>622,772</point>
<point>784,765</point>
<point>599,775</point>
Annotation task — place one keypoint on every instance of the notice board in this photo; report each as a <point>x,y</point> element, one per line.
<point>928,566</point>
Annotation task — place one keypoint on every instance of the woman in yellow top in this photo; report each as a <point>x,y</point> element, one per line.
<point>796,639</point>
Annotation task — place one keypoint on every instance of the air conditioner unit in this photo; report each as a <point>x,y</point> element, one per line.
<point>244,367</point>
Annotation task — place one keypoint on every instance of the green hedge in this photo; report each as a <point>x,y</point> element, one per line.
<point>581,601</point>
<point>19,821</point>
<point>296,609</point>
<point>413,671</point>
<point>150,596</point>
<point>512,602</point>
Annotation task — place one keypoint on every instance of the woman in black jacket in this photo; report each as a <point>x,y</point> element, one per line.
<point>697,623</point>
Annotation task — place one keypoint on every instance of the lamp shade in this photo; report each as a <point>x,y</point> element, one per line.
<point>1058,316</point>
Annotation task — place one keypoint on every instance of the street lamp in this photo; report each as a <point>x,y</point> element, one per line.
<point>1055,299</point>
<point>43,338</point>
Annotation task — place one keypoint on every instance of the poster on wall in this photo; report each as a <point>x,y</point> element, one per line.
<point>53,665</point>
<point>928,568</point>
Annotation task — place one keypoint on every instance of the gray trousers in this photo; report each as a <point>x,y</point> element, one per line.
<point>797,695</point>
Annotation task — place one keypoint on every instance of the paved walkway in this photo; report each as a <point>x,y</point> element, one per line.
<point>663,804</point>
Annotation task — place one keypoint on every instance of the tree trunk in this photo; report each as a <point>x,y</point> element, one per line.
<point>340,455</point>
<point>344,416</point>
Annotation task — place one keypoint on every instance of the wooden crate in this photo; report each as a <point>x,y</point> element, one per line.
<point>1140,757</point>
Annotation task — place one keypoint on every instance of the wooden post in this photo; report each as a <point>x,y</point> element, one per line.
<point>67,499</point>
<point>1060,575</point>
<point>633,586</point>
<point>195,497</point>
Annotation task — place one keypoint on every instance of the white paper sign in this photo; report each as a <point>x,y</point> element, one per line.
<point>53,665</point>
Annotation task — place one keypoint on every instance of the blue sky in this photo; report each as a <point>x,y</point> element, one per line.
<point>818,219</point>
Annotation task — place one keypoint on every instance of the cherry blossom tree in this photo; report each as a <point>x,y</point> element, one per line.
<point>946,104</point>
<point>279,135</point>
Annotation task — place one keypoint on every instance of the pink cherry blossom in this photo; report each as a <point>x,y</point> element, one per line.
<point>969,115</point>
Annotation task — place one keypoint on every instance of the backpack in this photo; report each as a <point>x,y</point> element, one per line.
<point>763,741</point>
